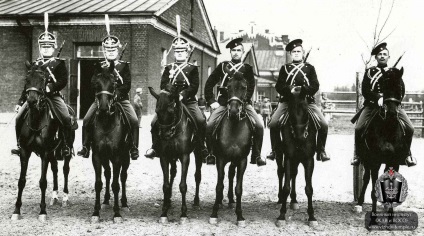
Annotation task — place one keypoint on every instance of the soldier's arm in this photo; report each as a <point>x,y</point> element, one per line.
<point>165,78</point>
<point>250,82</point>
<point>211,82</point>
<point>366,88</point>
<point>282,88</point>
<point>191,90</point>
<point>126,77</point>
<point>61,75</point>
<point>313,86</point>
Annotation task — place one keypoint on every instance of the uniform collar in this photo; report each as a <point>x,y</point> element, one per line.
<point>381,66</point>
<point>297,62</point>
<point>235,61</point>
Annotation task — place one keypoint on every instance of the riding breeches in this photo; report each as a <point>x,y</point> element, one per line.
<point>276,142</point>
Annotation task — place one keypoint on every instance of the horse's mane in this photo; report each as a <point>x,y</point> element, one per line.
<point>393,83</point>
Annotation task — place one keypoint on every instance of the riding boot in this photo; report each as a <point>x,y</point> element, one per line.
<point>134,137</point>
<point>211,158</point>
<point>355,160</point>
<point>152,153</point>
<point>18,127</point>
<point>322,139</point>
<point>256,158</point>
<point>410,160</point>
<point>274,135</point>
<point>85,150</point>
<point>201,140</point>
<point>68,143</point>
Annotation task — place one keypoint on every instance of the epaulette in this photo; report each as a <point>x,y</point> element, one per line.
<point>191,64</point>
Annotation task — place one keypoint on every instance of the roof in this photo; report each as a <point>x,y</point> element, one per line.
<point>270,59</point>
<point>20,7</point>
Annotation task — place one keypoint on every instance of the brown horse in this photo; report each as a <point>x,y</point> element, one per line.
<point>109,143</point>
<point>38,135</point>
<point>299,145</point>
<point>232,145</point>
<point>176,132</point>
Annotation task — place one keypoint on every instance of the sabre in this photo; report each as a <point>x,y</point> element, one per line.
<point>399,59</point>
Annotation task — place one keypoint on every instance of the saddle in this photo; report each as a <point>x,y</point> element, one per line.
<point>252,123</point>
<point>282,121</point>
<point>74,123</point>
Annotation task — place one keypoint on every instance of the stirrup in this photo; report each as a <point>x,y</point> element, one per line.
<point>151,153</point>
<point>84,152</point>
<point>211,159</point>
<point>271,156</point>
<point>134,153</point>
<point>16,151</point>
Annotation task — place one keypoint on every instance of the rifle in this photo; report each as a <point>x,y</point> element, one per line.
<point>123,51</point>
<point>399,59</point>
<point>60,49</point>
<point>307,55</point>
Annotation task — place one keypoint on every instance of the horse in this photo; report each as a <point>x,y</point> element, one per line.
<point>176,131</point>
<point>38,135</point>
<point>299,145</point>
<point>109,143</point>
<point>232,145</point>
<point>383,141</point>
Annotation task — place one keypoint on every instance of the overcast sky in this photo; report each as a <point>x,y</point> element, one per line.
<point>334,29</point>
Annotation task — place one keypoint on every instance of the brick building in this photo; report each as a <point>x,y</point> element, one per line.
<point>147,27</point>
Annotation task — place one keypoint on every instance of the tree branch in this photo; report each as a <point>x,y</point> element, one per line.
<point>376,24</point>
<point>387,18</point>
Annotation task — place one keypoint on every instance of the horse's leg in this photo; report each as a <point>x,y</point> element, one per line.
<point>366,179</point>
<point>66,170</point>
<point>241,168</point>
<point>293,203</point>
<point>124,175</point>
<point>166,189</point>
<point>219,190</point>
<point>107,174</point>
<point>25,154</point>
<point>43,186</point>
<point>231,174</point>
<point>374,177</point>
<point>173,174</point>
<point>117,218</point>
<point>286,191</point>
<point>280,173</point>
<point>185,161</point>
<point>97,186</point>
<point>198,176</point>
<point>54,169</point>
<point>309,170</point>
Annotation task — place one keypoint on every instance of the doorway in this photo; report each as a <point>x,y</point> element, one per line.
<point>86,70</point>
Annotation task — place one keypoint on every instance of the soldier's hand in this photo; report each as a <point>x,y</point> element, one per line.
<point>180,97</point>
<point>214,105</point>
<point>380,102</point>
<point>17,108</point>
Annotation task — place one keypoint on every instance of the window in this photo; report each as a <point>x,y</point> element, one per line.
<point>90,51</point>
<point>261,95</point>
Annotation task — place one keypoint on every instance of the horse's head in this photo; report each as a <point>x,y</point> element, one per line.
<point>35,83</point>
<point>237,89</point>
<point>166,105</point>
<point>393,88</point>
<point>105,85</point>
<point>298,114</point>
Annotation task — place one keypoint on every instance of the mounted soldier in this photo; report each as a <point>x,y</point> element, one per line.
<point>373,100</point>
<point>223,73</point>
<point>298,74</point>
<point>122,72</point>
<point>56,75</point>
<point>183,78</point>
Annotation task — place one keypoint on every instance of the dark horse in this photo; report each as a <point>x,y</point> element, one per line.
<point>176,132</point>
<point>38,135</point>
<point>383,141</point>
<point>109,143</point>
<point>232,144</point>
<point>299,145</point>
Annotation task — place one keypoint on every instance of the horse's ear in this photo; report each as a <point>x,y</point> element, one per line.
<point>112,66</point>
<point>28,65</point>
<point>153,93</point>
<point>401,71</point>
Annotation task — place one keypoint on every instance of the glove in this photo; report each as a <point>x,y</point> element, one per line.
<point>47,89</point>
<point>380,102</point>
<point>180,97</point>
<point>215,105</point>
<point>295,89</point>
<point>17,108</point>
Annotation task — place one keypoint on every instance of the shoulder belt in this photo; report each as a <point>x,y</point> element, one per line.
<point>179,70</point>
<point>234,67</point>
<point>293,73</point>
<point>375,78</point>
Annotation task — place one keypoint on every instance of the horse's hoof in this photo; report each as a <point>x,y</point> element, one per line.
<point>213,221</point>
<point>105,206</point>
<point>53,201</point>
<point>231,205</point>
<point>183,220</point>
<point>95,219</point>
<point>358,209</point>
<point>163,220</point>
<point>16,217</point>
<point>313,223</point>
<point>241,223</point>
<point>42,218</point>
<point>125,209</point>
<point>280,223</point>
<point>294,206</point>
<point>117,220</point>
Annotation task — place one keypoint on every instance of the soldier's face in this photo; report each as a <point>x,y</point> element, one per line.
<point>237,52</point>
<point>111,54</point>
<point>180,55</point>
<point>382,57</point>
<point>47,50</point>
<point>297,54</point>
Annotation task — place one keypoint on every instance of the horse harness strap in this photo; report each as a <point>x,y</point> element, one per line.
<point>179,69</point>
<point>293,73</point>
<point>105,92</point>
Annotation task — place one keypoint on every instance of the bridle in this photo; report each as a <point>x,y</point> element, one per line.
<point>305,132</point>
<point>398,107</point>
<point>175,121</point>
<point>241,109</point>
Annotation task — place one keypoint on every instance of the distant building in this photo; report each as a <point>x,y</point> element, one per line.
<point>148,28</point>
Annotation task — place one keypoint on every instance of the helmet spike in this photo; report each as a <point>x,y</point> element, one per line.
<point>107,24</point>
<point>177,18</point>
<point>46,21</point>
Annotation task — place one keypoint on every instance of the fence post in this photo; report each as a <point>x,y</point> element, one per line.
<point>422,124</point>
<point>358,171</point>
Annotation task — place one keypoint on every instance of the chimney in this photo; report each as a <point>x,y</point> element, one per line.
<point>215,31</point>
<point>267,31</point>
<point>221,36</point>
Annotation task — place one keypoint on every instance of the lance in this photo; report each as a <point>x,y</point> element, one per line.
<point>399,59</point>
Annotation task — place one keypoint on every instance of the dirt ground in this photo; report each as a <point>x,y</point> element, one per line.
<point>332,182</point>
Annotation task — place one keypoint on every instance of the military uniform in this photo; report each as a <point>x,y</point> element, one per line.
<point>298,74</point>
<point>217,76</point>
